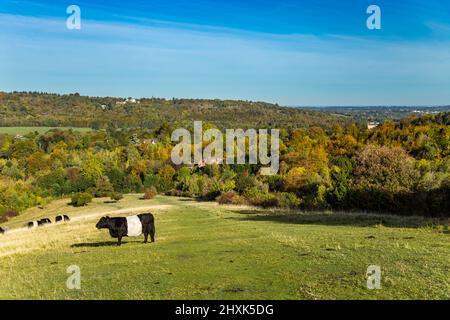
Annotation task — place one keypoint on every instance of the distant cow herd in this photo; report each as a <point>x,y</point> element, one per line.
<point>40,223</point>
<point>44,221</point>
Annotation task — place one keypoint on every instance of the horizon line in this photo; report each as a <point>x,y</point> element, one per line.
<point>231,99</point>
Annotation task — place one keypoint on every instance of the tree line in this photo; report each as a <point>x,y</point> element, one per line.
<point>400,168</point>
<point>54,110</point>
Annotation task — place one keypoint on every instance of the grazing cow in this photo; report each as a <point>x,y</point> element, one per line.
<point>33,224</point>
<point>132,226</point>
<point>44,221</point>
<point>38,223</point>
<point>62,218</point>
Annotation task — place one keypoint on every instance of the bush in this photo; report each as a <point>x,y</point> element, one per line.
<point>103,187</point>
<point>261,198</point>
<point>7,215</point>
<point>178,193</point>
<point>150,193</point>
<point>210,195</point>
<point>288,200</point>
<point>244,183</point>
<point>116,196</point>
<point>81,199</point>
<point>269,201</point>
<point>230,197</point>
<point>199,185</point>
<point>275,182</point>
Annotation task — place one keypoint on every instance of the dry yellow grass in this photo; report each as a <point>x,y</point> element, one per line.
<point>20,240</point>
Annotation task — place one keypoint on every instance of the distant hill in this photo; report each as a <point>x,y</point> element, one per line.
<point>381,113</point>
<point>50,110</point>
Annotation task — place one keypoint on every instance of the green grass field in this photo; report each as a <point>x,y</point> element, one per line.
<point>207,251</point>
<point>40,130</point>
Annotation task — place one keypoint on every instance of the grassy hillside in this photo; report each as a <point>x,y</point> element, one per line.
<point>39,109</point>
<point>204,250</point>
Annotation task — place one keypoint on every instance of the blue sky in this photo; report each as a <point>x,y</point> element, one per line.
<point>290,52</point>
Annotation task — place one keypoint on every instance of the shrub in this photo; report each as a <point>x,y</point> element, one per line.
<point>116,196</point>
<point>199,185</point>
<point>230,197</point>
<point>210,195</point>
<point>150,193</point>
<point>81,199</point>
<point>103,187</point>
<point>178,193</point>
<point>261,198</point>
<point>269,201</point>
<point>288,200</point>
<point>228,185</point>
<point>275,182</point>
<point>7,215</point>
<point>244,183</point>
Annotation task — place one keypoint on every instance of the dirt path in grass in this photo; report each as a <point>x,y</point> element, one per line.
<point>135,210</point>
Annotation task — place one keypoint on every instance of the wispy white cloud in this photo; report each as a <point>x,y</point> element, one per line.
<point>439,28</point>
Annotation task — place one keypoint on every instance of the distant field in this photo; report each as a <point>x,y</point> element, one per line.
<point>26,130</point>
<point>204,250</point>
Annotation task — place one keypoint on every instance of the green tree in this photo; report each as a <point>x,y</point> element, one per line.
<point>166,174</point>
<point>103,187</point>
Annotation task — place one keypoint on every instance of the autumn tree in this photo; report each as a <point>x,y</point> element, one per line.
<point>385,168</point>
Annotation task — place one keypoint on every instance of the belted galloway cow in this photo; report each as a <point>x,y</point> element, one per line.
<point>131,226</point>
<point>62,218</point>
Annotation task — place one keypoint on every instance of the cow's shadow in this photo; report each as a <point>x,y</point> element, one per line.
<point>96,244</point>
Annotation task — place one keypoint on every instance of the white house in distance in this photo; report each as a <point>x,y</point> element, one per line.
<point>129,100</point>
<point>372,125</point>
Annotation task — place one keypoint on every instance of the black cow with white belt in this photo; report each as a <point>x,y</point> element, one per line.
<point>62,218</point>
<point>132,226</point>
